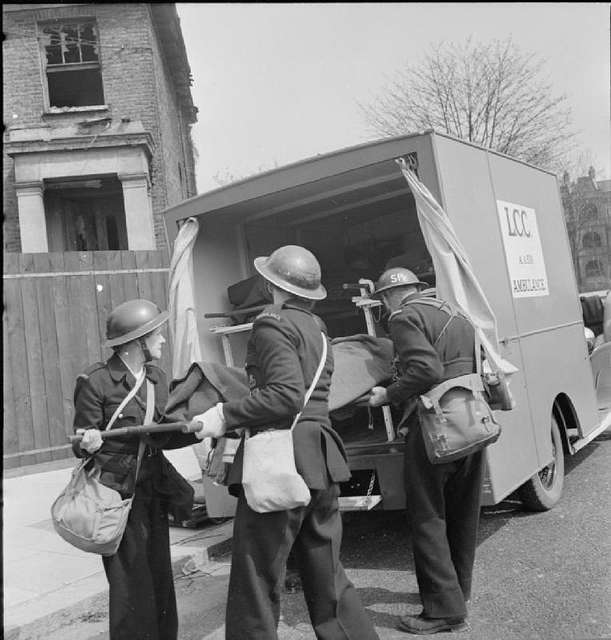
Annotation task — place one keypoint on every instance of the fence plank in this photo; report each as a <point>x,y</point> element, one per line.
<point>54,423</point>
<point>103,285</point>
<point>128,261</point>
<point>84,319</point>
<point>145,287</point>
<point>159,281</point>
<point>67,353</point>
<point>10,435</point>
<point>11,263</point>
<point>117,282</point>
<point>34,360</point>
<point>18,365</point>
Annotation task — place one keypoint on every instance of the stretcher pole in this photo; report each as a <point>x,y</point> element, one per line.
<point>139,430</point>
<point>366,304</point>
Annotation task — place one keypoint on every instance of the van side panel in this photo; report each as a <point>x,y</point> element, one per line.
<point>469,200</point>
<point>551,326</point>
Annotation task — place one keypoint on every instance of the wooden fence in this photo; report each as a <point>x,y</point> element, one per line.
<point>55,308</point>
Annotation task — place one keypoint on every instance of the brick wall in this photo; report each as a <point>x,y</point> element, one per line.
<point>175,147</point>
<point>133,88</point>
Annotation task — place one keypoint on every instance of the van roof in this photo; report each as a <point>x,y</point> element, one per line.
<point>308,170</point>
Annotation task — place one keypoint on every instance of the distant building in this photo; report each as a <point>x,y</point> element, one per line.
<point>98,110</point>
<point>587,209</point>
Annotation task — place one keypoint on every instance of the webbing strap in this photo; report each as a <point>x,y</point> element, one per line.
<point>321,364</point>
<point>454,313</point>
<point>471,381</point>
<point>127,398</point>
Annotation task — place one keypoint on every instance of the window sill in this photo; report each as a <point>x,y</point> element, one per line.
<point>61,111</point>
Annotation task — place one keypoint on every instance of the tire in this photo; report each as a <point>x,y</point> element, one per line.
<point>544,489</point>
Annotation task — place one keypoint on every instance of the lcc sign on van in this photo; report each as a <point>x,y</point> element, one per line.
<point>523,250</point>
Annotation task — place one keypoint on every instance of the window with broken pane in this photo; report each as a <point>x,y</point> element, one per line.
<point>72,63</point>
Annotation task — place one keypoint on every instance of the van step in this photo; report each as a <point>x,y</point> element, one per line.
<point>358,503</point>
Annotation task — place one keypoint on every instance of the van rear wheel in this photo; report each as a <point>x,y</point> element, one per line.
<point>544,489</point>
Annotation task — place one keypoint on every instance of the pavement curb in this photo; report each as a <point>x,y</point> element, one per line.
<point>188,558</point>
<point>199,557</point>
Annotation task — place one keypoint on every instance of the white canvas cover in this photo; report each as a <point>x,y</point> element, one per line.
<point>182,320</point>
<point>456,281</point>
<point>181,301</point>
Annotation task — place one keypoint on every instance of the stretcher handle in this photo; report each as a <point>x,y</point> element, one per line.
<point>140,430</point>
<point>236,312</point>
<point>352,285</point>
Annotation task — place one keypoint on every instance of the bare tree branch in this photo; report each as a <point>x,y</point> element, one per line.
<point>492,94</point>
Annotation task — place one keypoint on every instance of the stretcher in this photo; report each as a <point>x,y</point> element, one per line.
<point>365,303</point>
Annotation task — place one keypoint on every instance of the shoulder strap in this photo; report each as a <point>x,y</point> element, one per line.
<point>148,418</point>
<point>436,304</point>
<point>454,312</point>
<point>321,364</point>
<point>127,398</point>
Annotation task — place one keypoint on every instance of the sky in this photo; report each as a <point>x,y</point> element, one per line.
<point>277,83</point>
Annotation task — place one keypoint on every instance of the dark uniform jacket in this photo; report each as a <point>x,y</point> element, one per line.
<point>422,364</point>
<point>98,393</point>
<point>283,353</point>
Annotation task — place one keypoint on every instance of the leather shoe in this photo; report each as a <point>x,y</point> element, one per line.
<point>420,625</point>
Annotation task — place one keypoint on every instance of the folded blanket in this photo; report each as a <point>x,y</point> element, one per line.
<point>361,363</point>
<point>204,384</point>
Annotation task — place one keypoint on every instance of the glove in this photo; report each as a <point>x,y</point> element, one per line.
<point>92,439</point>
<point>212,421</point>
<point>378,397</point>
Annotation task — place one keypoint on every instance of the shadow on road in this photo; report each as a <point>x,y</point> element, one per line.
<point>387,532</point>
<point>296,613</point>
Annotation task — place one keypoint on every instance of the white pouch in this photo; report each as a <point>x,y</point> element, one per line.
<point>269,475</point>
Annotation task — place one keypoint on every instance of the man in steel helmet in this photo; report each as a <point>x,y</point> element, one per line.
<point>283,354</point>
<point>141,587</point>
<point>432,345</point>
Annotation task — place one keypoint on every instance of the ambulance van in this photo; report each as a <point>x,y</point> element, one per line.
<point>354,210</point>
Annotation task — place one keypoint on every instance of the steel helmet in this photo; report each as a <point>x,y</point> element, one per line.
<point>397,277</point>
<point>131,320</point>
<point>293,269</point>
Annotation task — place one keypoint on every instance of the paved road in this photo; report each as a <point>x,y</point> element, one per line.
<point>543,576</point>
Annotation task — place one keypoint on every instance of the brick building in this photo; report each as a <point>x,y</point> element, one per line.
<point>97,113</point>
<point>98,110</point>
<point>587,209</point>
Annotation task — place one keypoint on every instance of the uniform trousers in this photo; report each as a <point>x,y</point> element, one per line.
<point>261,545</point>
<point>443,502</point>
<point>141,586</point>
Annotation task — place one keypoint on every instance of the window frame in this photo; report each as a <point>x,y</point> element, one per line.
<point>67,67</point>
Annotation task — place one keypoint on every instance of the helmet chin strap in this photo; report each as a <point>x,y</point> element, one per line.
<point>145,350</point>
